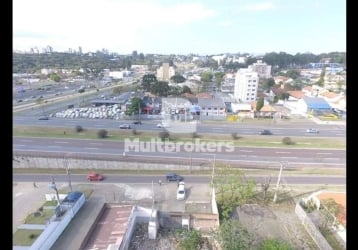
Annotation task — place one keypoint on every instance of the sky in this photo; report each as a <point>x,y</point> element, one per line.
<point>206,27</point>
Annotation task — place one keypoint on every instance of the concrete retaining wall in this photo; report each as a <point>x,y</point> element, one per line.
<point>311,228</point>
<point>58,163</point>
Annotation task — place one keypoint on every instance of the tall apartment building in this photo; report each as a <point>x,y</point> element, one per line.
<point>246,84</point>
<point>165,72</point>
<point>262,69</point>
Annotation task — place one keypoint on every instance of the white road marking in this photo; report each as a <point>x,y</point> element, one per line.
<point>61,141</point>
<point>248,151</point>
<point>92,148</point>
<point>281,152</point>
<point>324,153</point>
<point>54,146</point>
<point>18,194</point>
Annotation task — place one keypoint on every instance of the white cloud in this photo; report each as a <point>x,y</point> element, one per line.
<point>96,24</point>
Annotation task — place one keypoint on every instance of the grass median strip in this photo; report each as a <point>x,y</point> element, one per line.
<point>121,135</point>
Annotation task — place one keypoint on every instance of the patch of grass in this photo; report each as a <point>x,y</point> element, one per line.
<point>25,237</point>
<point>120,135</point>
<point>332,240</point>
<point>41,218</point>
<point>50,203</point>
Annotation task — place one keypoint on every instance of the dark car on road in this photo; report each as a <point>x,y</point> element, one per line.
<point>174,177</point>
<point>265,132</point>
<point>137,122</point>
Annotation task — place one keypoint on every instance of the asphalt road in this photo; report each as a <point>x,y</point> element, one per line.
<point>147,179</point>
<point>281,129</point>
<point>156,150</point>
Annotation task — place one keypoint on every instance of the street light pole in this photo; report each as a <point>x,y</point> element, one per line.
<point>278,182</point>
<point>213,172</point>
<point>68,174</point>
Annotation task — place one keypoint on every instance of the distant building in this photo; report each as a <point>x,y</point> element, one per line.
<point>212,107</point>
<point>262,69</point>
<point>246,84</point>
<point>165,72</point>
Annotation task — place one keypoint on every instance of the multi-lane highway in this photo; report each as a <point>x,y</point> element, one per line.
<point>158,151</point>
<point>277,129</point>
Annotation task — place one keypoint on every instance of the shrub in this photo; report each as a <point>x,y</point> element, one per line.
<point>287,141</point>
<point>163,135</point>
<point>235,136</point>
<point>79,129</point>
<point>195,135</point>
<point>102,133</point>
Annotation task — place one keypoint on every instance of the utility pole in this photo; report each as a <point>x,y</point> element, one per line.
<point>68,173</point>
<point>53,186</point>
<point>278,182</point>
<point>213,173</point>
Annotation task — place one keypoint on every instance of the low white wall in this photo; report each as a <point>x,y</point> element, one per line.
<point>57,225</point>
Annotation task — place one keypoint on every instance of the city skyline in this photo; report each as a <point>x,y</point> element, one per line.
<point>181,27</point>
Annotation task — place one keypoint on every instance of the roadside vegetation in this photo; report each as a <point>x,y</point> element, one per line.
<point>236,139</point>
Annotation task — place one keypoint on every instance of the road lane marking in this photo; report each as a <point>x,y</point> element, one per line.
<point>95,143</point>
<point>19,145</point>
<point>92,148</point>
<point>324,153</point>
<point>61,141</point>
<point>282,152</point>
<point>54,146</point>
<point>288,157</point>
<point>26,140</point>
<point>248,151</point>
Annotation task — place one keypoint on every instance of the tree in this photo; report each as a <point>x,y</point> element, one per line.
<point>177,78</point>
<point>232,189</point>
<point>268,84</point>
<point>293,73</point>
<point>148,80</point>
<point>136,104</point>
<point>260,104</point>
<point>274,244</point>
<point>160,88</point>
<point>206,76</point>
<point>219,78</point>
<point>54,77</point>
<point>232,235</point>
<point>186,89</point>
<point>189,240</point>
<point>328,212</point>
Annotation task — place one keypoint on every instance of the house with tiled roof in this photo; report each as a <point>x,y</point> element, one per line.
<point>295,95</point>
<point>266,111</point>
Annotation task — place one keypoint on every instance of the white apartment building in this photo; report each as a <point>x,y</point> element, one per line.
<point>261,68</point>
<point>165,72</point>
<point>246,84</point>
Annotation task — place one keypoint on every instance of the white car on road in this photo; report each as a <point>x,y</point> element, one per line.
<point>181,191</point>
<point>163,125</point>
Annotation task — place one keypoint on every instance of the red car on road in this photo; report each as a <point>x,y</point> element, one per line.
<point>95,177</point>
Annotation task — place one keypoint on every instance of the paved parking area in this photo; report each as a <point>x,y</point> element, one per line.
<point>27,199</point>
